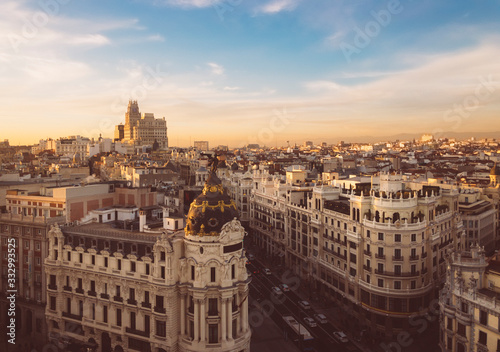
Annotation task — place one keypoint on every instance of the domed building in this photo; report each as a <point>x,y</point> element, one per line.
<point>157,290</point>
<point>214,285</point>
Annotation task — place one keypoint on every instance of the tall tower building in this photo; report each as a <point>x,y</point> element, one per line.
<point>131,117</point>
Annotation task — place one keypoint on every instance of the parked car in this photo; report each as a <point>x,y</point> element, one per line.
<point>340,336</point>
<point>310,322</point>
<point>267,271</point>
<point>304,304</point>
<point>276,291</point>
<point>321,318</point>
<point>284,288</point>
<point>250,256</point>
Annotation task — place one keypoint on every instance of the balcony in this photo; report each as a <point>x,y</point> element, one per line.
<point>414,257</point>
<point>146,305</point>
<point>367,252</point>
<point>379,256</point>
<point>72,316</point>
<point>137,332</point>
<point>118,299</point>
<point>67,288</point>
<point>424,255</point>
<point>52,287</point>
<point>132,302</point>
<point>92,293</point>
<point>396,274</point>
<point>104,296</point>
<point>397,259</point>
<point>367,268</point>
<point>424,271</point>
<point>79,290</point>
<point>160,310</point>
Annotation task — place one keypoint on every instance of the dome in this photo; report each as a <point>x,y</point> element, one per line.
<point>495,170</point>
<point>211,210</point>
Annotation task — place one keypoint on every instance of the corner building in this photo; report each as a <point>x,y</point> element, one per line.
<point>377,248</point>
<point>170,290</point>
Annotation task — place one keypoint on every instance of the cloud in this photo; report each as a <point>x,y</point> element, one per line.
<point>232,88</point>
<point>155,38</point>
<point>188,3</point>
<point>276,6</point>
<point>91,39</point>
<point>216,68</point>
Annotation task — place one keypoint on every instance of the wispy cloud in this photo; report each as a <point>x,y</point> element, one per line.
<point>188,3</point>
<point>216,68</point>
<point>276,6</point>
<point>231,88</point>
<point>91,39</point>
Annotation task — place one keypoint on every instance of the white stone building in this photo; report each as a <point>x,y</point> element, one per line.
<point>163,290</point>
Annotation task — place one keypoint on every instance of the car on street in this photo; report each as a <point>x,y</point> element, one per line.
<point>276,291</point>
<point>250,256</point>
<point>310,322</point>
<point>267,271</point>
<point>321,318</point>
<point>340,336</point>
<point>284,288</point>
<point>304,304</point>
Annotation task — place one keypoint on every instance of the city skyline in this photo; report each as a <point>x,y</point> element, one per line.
<point>267,71</point>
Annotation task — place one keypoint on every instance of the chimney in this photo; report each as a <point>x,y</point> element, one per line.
<point>142,220</point>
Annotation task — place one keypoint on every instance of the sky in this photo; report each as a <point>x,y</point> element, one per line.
<point>234,72</point>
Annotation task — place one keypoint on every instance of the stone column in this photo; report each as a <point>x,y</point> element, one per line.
<point>196,320</point>
<point>238,318</point>
<point>223,319</point>
<point>244,315</point>
<point>229,319</point>
<point>202,322</point>
<point>183,314</point>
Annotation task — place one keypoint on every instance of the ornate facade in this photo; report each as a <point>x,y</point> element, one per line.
<point>169,290</point>
<point>469,313</point>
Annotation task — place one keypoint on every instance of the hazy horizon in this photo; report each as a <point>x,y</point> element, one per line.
<point>235,72</point>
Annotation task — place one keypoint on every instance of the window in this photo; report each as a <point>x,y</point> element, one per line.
<point>413,237</point>
<point>117,291</point>
<point>380,267</point>
<point>368,233</point>
<point>380,236</point>
<point>52,303</point>
<point>69,256</point>
<point>397,269</point>
<point>212,307</point>
<point>397,237</point>
<point>161,328</point>
<point>26,244</point>
<point>81,258</point>
<point>132,267</point>
<point>483,317</point>
<point>80,283</point>
<point>37,245</point>
<point>106,262</point>
<point>397,285</point>
<point>105,314</point>
<point>119,264</point>
<point>192,272</point>
<point>119,317</point>
<point>380,283</point>
<point>233,271</point>
<point>132,320</point>
<point>212,274</point>
<point>213,330</point>
<point>93,259</point>
<point>397,253</point>
<point>483,338</point>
